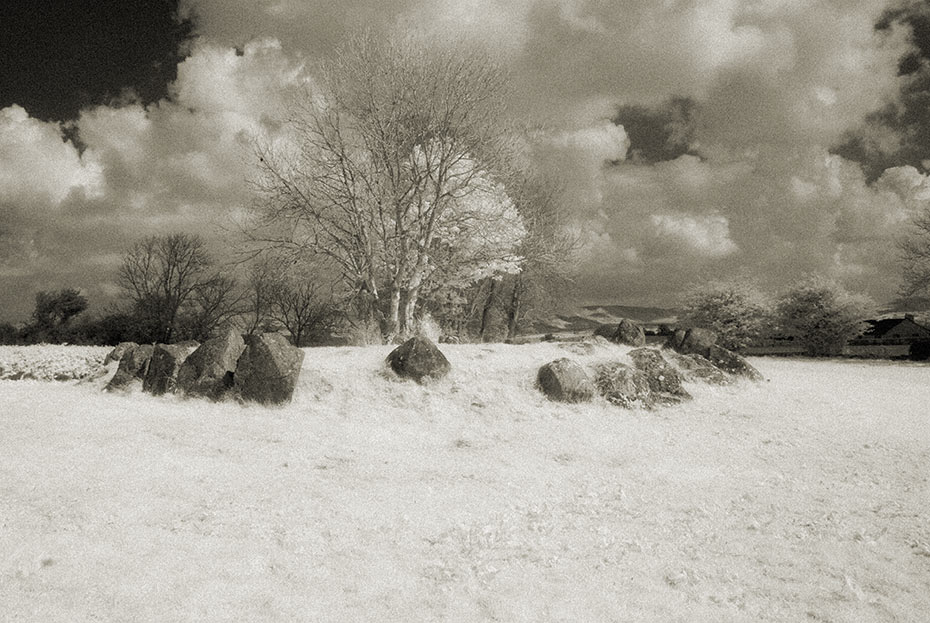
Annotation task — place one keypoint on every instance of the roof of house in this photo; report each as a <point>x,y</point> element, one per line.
<point>881,328</point>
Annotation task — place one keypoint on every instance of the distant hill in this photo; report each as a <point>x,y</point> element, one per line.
<point>589,317</point>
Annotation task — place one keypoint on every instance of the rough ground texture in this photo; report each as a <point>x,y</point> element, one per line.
<point>802,498</point>
<point>52,363</point>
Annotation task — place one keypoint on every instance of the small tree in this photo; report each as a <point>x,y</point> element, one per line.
<point>174,288</point>
<point>915,259</point>
<point>295,295</point>
<point>823,315</point>
<point>8,333</point>
<point>55,309</point>
<point>735,310</point>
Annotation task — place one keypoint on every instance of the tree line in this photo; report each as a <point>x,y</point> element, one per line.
<point>816,312</point>
<point>398,194</point>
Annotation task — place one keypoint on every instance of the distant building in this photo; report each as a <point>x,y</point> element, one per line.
<point>893,331</point>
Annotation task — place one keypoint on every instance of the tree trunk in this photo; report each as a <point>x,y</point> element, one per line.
<point>486,311</point>
<point>410,307</point>
<point>394,327</point>
<point>513,309</point>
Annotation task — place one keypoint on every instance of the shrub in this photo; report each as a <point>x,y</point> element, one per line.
<point>735,310</point>
<point>919,351</point>
<point>823,315</point>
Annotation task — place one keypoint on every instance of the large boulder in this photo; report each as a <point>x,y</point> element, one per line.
<point>627,332</point>
<point>133,365</point>
<point>268,369</point>
<point>732,363</point>
<point>664,380</point>
<point>209,371</point>
<point>117,353</point>
<point>564,380</point>
<point>702,342</point>
<point>692,341</point>
<point>418,358</point>
<point>162,376</point>
<point>623,385</point>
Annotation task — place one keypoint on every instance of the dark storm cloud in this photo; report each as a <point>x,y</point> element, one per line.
<point>57,57</point>
<point>899,133</point>
<point>659,133</point>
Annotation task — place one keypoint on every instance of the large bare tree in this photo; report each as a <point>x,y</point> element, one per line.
<point>396,168</point>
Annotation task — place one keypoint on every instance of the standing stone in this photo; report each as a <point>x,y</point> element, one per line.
<point>627,332</point>
<point>630,333</point>
<point>692,341</point>
<point>564,380</point>
<point>162,376</point>
<point>418,358</point>
<point>209,370</point>
<point>133,365</point>
<point>268,369</point>
<point>117,353</point>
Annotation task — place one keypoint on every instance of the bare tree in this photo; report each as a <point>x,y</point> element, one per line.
<point>394,170</point>
<point>166,277</point>
<point>294,295</point>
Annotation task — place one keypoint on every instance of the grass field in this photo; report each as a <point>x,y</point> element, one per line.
<point>801,498</point>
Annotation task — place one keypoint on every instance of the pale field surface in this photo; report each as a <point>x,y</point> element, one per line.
<point>801,498</point>
<point>50,362</point>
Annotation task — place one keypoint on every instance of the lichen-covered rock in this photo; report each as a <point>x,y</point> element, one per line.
<point>698,368</point>
<point>209,371</point>
<point>418,358</point>
<point>623,385</point>
<point>664,380</point>
<point>117,353</point>
<point>627,332</point>
<point>564,380</point>
<point>268,369</point>
<point>162,375</point>
<point>133,365</point>
<point>732,363</point>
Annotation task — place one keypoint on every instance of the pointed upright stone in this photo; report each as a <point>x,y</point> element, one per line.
<point>167,359</point>
<point>209,370</point>
<point>133,365</point>
<point>268,369</point>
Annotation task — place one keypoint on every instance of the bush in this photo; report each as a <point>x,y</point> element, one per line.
<point>919,351</point>
<point>735,310</point>
<point>8,333</point>
<point>822,315</point>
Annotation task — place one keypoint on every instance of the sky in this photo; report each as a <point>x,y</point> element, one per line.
<point>696,139</point>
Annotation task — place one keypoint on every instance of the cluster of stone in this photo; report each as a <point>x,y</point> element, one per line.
<point>257,368</point>
<point>651,380</point>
